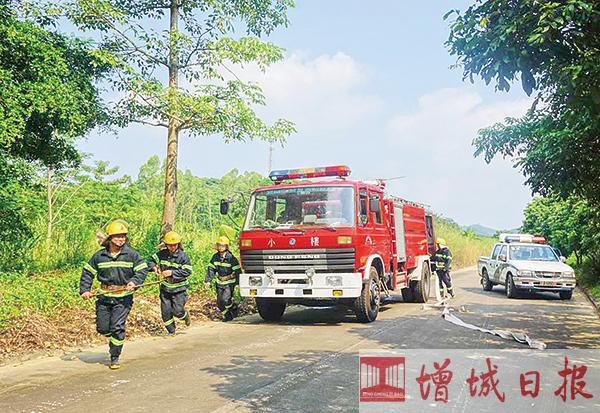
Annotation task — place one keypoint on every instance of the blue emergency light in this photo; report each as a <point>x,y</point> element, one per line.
<point>306,173</point>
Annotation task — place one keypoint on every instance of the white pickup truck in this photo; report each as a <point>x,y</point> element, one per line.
<point>523,262</point>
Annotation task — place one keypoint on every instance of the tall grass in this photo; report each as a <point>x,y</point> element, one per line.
<point>465,246</point>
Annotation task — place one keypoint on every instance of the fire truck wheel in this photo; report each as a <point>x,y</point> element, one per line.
<point>366,306</point>
<point>270,310</point>
<point>420,288</point>
<point>407,295</point>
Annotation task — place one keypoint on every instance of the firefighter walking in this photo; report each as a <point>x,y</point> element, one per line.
<point>442,259</point>
<point>173,265</point>
<point>223,272</point>
<point>120,269</point>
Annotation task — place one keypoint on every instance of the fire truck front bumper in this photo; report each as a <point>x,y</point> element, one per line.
<point>315,285</point>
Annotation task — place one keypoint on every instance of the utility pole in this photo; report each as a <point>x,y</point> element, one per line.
<point>270,168</point>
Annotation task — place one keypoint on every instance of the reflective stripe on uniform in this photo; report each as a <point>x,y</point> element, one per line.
<point>155,258</point>
<point>179,284</point>
<point>222,264</point>
<point>183,317</point>
<point>89,268</point>
<point>140,266</point>
<point>170,264</point>
<point>115,264</point>
<point>187,267</point>
<point>235,267</point>
<point>117,342</point>
<point>211,265</point>
<point>169,322</point>
<point>233,280</point>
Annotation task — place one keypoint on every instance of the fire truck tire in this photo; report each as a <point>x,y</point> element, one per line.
<point>420,288</point>
<point>270,310</point>
<point>366,306</point>
<point>407,295</point>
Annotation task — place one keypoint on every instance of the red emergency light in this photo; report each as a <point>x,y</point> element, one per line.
<point>306,173</point>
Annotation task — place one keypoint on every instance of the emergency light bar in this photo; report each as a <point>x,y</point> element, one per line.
<point>522,238</point>
<point>305,173</point>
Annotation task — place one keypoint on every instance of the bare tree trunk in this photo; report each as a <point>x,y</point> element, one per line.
<point>50,202</point>
<point>168,218</point>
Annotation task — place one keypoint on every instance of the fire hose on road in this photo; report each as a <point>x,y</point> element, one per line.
<point>505,334</point>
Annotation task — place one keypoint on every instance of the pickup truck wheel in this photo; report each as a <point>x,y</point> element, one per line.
<point>420,289</point>
<point>511,291</point>
<point>485,281</point>
<point>270,310</point>
<point>366,306</point>
<point>565,295</point>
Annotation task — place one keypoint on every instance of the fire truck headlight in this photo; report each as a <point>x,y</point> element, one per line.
<point>333,281</point>
<point>344,240</point>
<point>255,281</point>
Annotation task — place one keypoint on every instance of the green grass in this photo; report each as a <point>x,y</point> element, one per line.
<point>47,293</point>
<point>466,247</point>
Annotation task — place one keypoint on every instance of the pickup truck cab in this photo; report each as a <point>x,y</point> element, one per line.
<point>524,263</point>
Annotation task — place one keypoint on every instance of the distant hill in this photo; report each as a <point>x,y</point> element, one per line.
<point>482,230</point>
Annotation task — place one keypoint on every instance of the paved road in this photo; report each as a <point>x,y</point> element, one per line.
<point>308,362</point>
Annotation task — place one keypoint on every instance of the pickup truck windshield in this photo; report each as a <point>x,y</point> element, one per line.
<point>304,207</point>
<point>532,253</point>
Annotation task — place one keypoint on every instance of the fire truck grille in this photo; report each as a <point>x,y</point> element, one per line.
<point>297,261</point>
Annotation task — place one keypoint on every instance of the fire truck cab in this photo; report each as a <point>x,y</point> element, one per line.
<point>333,242</point>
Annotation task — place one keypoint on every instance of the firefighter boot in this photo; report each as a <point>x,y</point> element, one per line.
<point>114,363</point>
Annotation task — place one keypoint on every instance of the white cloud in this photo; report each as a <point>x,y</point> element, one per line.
<point>321,94</point>
<point>436,154</point>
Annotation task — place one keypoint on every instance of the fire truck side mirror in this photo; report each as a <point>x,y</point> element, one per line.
<point>224,206</point>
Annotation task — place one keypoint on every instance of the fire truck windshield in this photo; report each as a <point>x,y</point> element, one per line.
<point>302,207</point>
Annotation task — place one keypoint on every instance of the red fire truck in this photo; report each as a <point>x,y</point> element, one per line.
<point>332,242</point>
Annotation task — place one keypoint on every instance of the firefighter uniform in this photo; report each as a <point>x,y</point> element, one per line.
<point>223,272</point>
<point>173,295</point>
<point>442,259</point>
<point>113,307</point>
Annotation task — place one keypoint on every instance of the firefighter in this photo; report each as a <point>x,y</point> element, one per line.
<point>120,269</point>
<point>223,272</point>
<point>172,264</point>
<point>442,258</point>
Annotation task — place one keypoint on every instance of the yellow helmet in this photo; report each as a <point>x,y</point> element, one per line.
<point>116,227</point>
<point>223,240</point>
<point>171,238</point>
<point>441,241</point>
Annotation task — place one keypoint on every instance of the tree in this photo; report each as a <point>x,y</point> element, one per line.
<point>48,97</point>
<point>48,93</point>
<point>568,224</point>
<point>554,48</point>
<point>202,94</point>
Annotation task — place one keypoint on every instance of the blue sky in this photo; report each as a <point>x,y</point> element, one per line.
<point>368,85</point>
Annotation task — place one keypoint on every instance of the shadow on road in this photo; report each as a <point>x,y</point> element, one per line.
<point>569,326</point>
<point>307,381</point>
<point>89,357</point>
<point>499,291</point>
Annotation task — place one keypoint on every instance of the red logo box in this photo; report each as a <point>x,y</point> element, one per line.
<point>382,379</point>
